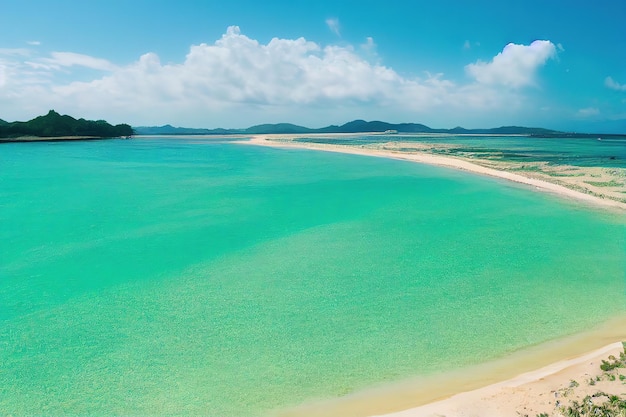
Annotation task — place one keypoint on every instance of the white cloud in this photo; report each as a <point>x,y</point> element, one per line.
<point>33,43</point>
<point>560,47</point>
<point>614,85</point>
<point>69,59</point>
<point>14,51</point>
<point>515,66</point>
<point>588,112</point>
<point>237,81</point>
<point>333,25</point>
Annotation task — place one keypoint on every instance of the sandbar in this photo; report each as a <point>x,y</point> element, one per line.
<point>571,187</point>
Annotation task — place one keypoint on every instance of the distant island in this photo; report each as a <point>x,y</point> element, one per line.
<point>355,126</point>
<point>54,126</point>
<point>362,126</point>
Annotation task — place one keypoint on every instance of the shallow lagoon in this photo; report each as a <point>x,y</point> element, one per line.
<point>162,276</point>
<point>583,152</point>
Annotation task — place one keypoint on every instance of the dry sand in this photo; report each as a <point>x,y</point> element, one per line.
<point>572,185</point>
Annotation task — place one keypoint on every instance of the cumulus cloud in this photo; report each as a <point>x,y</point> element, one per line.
<point>515,66</point>
<point>238,70</point>
<point>614,85</point>
<point>239,78</point>
<point>333,25</point>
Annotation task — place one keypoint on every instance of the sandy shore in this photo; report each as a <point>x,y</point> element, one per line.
<point>568,189</point>
<point>546,390</point>
<point>521,383</point>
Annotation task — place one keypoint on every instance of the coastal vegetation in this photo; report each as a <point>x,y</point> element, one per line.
<point>55,125</point>
<point>611,183</point>
<point>595,404</point>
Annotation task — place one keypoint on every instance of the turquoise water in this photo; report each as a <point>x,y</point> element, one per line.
<point>174,276</point>
<point>585,152</point>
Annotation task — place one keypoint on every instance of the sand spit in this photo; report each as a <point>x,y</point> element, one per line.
<point>595,186</point>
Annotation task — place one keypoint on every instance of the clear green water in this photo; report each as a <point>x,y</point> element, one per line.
<point>172,276</point>
<point>586,152</point>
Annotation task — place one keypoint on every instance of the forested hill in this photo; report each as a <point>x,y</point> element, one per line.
<point>55,125</point>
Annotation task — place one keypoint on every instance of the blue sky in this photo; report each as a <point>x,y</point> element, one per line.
<point>557,64</point>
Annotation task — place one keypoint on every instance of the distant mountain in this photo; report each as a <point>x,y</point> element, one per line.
<point>361,126</point>
<point>355,126</point>
<point>171,130</point>
<point>278,128</point>
<point>2,122</point>
<point>253,130</point>
<point>55,125</point>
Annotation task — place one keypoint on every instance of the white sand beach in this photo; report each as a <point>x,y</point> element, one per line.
<point>545,390</point>
<point>526,382</point>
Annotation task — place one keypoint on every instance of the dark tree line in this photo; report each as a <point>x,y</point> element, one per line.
<point>53,124</point>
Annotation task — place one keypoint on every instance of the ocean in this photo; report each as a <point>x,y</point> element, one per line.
<point>161,276</point>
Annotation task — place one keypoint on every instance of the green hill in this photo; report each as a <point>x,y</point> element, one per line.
<point>285,128</point>
<point>55,125</point>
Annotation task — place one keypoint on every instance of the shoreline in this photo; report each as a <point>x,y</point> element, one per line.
<point>543,390</point>
<point>286,141</point>
<point>501,387</point>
